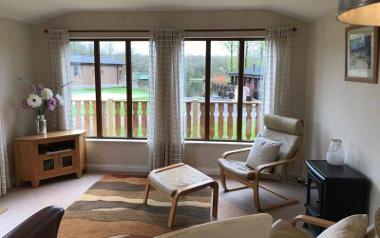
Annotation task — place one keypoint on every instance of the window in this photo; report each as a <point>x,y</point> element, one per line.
<point>222,81</point>
<point>83,88</point>
<point>114,79</point>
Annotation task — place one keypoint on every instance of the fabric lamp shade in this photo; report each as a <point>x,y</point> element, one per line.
<point>359,12</point>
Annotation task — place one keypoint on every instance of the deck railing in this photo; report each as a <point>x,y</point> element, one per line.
<point>223,118</point>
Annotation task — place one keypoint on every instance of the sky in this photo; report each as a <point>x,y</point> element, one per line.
<point>191,47</point>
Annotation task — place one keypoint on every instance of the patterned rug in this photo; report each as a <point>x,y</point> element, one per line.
<point>113,207</point>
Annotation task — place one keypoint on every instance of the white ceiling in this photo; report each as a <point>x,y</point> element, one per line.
<point>37,11</point>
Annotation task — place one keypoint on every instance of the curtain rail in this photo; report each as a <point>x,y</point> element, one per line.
<point>188,30</point>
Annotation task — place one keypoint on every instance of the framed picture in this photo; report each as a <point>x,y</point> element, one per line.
<point>362,54</point>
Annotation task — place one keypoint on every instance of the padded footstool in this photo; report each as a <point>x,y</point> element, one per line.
<point>177,180</point>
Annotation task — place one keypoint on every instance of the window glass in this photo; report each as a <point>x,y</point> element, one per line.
<point>140,87</point>
<point>224,89</point>
<point>83,86</point>
<point>113,88</point>
<point>253,79</point>
<point>194,89</point>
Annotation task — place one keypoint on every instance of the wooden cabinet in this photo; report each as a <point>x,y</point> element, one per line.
<point>41,157</point>
<point>335,192</point>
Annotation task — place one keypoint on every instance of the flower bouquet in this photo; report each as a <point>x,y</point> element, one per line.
<point>41,100</point>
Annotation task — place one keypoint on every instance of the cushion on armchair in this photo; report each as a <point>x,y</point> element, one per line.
<point>263,151</point>
<point>350,227</point>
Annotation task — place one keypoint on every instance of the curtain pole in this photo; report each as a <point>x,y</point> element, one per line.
<point>188,30</point>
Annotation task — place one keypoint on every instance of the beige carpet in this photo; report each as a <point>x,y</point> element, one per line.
<point>23,202</point>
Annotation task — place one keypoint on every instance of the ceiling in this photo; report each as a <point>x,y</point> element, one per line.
<point>37,11</point>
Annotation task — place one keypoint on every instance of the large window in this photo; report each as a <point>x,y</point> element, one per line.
<point>222,83</point>
<point>110,87</point>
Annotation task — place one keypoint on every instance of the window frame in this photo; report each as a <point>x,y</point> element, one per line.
<point>241,56</point>
<point>128,55</point>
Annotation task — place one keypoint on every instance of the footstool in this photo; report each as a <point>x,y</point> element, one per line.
<point>177,180</point>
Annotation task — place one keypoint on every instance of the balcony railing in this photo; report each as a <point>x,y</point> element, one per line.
<point>223,118</point>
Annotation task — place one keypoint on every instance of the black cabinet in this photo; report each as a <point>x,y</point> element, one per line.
<point>334,192</point>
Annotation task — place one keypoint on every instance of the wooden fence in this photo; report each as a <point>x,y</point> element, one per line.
<point>223,116</point>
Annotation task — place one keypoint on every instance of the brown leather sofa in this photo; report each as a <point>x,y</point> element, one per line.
<point>43,224</point>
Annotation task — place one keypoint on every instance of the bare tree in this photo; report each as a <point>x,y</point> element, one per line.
<point>232,47</point>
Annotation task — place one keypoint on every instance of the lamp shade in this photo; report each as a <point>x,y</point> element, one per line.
<point>359,12</point>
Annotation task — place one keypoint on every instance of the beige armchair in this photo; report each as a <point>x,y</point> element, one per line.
<point>286,130</point>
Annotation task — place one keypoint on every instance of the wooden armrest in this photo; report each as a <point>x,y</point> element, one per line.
<point>312,220</point>
<point>272,164</point>
<point>231,152</point>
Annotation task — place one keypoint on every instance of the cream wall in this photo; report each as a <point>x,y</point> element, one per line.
<point>15,61</point>
<point>132,156</point>
<point>339,109</point>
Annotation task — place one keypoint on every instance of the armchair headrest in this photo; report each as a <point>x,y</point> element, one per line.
<point>284,124</point>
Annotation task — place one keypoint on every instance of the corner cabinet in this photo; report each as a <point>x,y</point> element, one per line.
<point>335,192</point>
<point>41,157</point>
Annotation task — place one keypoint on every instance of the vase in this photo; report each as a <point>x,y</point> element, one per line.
<point>41,125</point>
<point>335,153</point>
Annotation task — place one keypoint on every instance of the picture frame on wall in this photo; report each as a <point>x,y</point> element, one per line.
<point>362,54</point>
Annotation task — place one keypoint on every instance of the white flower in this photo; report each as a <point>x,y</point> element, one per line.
<point>59,99</point>
<point>46,94</point>
<point>34,100</point>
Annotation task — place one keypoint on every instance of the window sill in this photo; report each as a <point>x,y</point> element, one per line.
<point>187,142</point>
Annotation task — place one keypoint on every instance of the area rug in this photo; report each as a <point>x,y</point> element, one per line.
<point>113,208</point>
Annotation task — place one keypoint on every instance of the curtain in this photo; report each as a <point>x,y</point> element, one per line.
<point>278,87</point>
<point>4,172</point>
<point>165,131</point>
<point>59,46</point>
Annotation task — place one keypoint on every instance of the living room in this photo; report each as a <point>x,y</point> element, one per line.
<point>152,84</point>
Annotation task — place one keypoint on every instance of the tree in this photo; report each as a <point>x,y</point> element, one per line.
<point>232,47</point>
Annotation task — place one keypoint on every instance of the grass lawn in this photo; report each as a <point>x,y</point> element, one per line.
<point>137,93</point>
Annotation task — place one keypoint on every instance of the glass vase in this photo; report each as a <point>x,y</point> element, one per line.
<point>335,153</point>
<point>41,125</point>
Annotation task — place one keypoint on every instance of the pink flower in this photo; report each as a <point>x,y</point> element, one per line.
<point>52,103</point>
<point>25,104</point>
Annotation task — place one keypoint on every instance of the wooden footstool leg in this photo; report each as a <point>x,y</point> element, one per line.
<point>215,197</point>
<point>146,194</point>
<point>173,209</point>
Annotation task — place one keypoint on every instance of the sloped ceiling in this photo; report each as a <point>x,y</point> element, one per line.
<point>38,11</point>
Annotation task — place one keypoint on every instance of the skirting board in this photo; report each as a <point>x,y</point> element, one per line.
<point>138,169</point>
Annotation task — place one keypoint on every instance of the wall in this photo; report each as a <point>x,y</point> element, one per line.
<point>340,109</point>
<point>130,156</point>
<point>15,61</point>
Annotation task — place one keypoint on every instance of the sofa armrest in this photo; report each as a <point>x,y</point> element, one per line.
<point>44,223</point>
<point>253,226</point>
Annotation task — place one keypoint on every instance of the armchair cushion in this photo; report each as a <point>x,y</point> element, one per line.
<point>350,227</point>
<point>283,229</point>
<point>263,151</point>
<point>284,124</point>
<point>240,169</point>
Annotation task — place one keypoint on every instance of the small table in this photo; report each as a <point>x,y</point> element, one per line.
<point>177,180</point>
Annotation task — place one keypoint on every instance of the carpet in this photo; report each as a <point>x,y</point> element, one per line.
<point>113,208</point>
